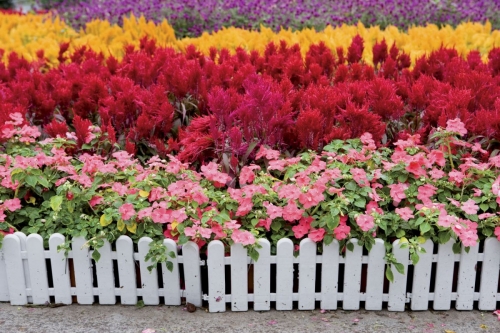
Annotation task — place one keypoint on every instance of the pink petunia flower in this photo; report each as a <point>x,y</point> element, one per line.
<point>291,212</point>
<point>316,235</point>
<point>342,231</point>
<point>456,126</point>
<point>127,211</point>
<point>12,204</point>
<point>365,222</point>
<point>243,237</point>
<point>398,192</point>
<point>405,213</point>
<point>470,207</point>
<point>272,210</point>
<point>359,176</point>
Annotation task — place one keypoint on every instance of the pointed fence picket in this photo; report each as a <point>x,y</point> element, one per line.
<point>31,274</point>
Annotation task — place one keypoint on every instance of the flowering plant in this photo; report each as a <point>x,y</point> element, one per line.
<point>446,189</point>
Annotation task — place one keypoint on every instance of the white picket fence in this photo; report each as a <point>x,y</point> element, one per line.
<point>26,277</point>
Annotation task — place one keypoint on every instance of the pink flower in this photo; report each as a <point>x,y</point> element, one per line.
<point>12,204</point>
<point>300,230</point>
<point>405,213</point>
<point>456,126</point>
<point>291,212</point>
<point>485,216</point>
<point>290,192</point>
<point>359,176</point>
<point>469,237</point>
<point>445,220</point>
<point>231,225</point>
<point>372,206</point>
<point>266,223</point>
<point>160,215</point>
<point>316,235</point>
<point>245,207</point>
<point>243,237</point>
<point>205,232</point>
<point>497,313</point>
<point>342,231</point>
<point>470,207</point>
<point>436,173</point>
<point>178,215</point>
<point>398,192</point>
<point>120,189</point>
<point>95,200</point>
<point>272,210</point>
<point>497,233</point>
<point>437,156</point>
<point>127,211</point>
<point>456,176</point>
<point>477,192</point>
<point>145,212</point>
<point>454,202</point>
<point>365,222</point>
<point>190,231</point>
<point>246,175</point>
<point>267,153</point>
<point>277,165</point>
<point>425,192</point>
<point>211,172</point>
<point>311,198</point>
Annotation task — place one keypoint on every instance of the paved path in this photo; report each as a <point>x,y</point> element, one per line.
<point>102,319</point>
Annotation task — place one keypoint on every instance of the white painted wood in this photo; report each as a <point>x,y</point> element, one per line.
<point>444,276</point>
<point>15,270</point>
<point>466,279</point>
<point>60,270</point>
<point>489,275</point>
<point>307,274</point>
<point>37,269</point>
<point>352,276</point>
<point>126,270</point>
<point>375,276</point>
<point>422,278</point>
<point>330,276</point>
<point>82,265</point>
<point>262,277</point>
<point>192,273</point>
<point>171,282</point>
<point>239,278</point>
<point>149,279</point>
<point>397,289</point>
<point>27,277</point>
<point>105,276</point>
<point>216,277</point>
<point>284,274</point>
<point>4,287</point>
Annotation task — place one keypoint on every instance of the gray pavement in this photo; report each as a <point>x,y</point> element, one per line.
<point>118,318</point>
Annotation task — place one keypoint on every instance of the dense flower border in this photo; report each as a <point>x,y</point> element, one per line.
<point>351,190</point>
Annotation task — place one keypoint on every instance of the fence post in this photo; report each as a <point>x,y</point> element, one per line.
<point>15,270</point>
<point>216,277</point>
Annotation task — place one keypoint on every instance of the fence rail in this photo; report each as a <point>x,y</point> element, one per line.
<point>31,274</point>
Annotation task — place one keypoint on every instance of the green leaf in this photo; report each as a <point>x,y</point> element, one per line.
<point>444,236</point>
<point>415,258</point>
<point>253,254</point>
<point>351,186</point>
<point>170,266</point>
<point>361,203</point>
<point>399,267</point>
<point>171,254</point>
<point>32,180</point>
<point>328,239</point>
<point>350,246</point>
<point>457,248</point>
<point>484,207</point>
<point>96,255</point>
<point>276,225</point>
<point>402,178</point>
<point>388,274</point>
<point>44,182</point>
<point>140,304</point>
<point>424,227</point>
<point>400,233</point>
<point>55,203</point>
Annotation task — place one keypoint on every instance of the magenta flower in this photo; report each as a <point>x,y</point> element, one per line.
<point>316,235</point>
<point>291,212</point>
<point>127,211</point>
<point>398,192</point>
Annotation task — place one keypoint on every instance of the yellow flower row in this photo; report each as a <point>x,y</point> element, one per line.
<point>29,33</point>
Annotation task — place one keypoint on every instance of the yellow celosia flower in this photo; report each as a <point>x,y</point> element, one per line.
<point>29,33</point>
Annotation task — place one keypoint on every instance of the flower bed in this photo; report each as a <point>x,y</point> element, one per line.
<point>191,18</point>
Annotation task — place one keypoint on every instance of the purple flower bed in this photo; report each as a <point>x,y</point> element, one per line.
<point>192,17</point>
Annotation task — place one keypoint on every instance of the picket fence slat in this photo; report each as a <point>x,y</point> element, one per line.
<point>422,278</point>
<point>105,275</point>
<point>307,274</point>
<point>352,276</point>
<point>330,276</point>
<point>60,270</point>
<point>192,273</point>
<point>466,279</point>
<point>397,289</point>
<point>24,275</point>
<point>216,277</point>
<point>171,283</point>
<point>37,270</point>
<point>444,276</point>
<point>489,275</point>
<point>15,270</point>
<point>149,279</point>
<point>27,276</point>
<point>284,274</point>
<point>239,278</point>
<point>4,287</point>
<point>262,277</point>
<point>126,270</point>
<point>375,276</point>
